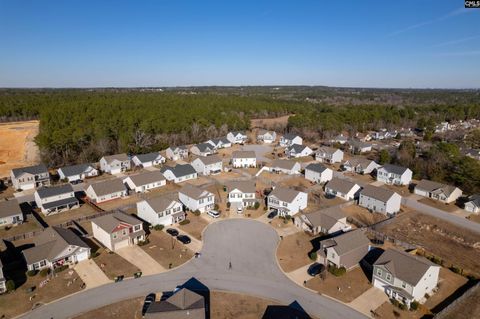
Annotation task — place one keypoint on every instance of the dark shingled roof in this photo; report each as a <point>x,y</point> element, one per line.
<point>203,147</point>
<point>37,169</point>
<point>182,304</point>
<point>290,136</point>
<point>319,168</point>
<point>75,169</point>
<point>147,178</point>
<point>180,170</point>
<point>50,191</point>
<point>149,157</point>
<point>109,222</point>
<point>379,193</point>
<point>399,170</point>
<point>297,148</point>
<point>340,185</point>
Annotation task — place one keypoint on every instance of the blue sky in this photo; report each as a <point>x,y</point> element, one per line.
<point>406,43</point>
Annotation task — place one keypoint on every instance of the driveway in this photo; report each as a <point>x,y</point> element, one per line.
<point>369,300</point>
<point>91,274</point>
<point>300,275</point>
<point>136,256</point>
<point>247,244</point>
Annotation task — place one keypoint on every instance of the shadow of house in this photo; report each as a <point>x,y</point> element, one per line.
<point>14,266</point>
<point>292,311</point>
<point>316,241</point>
<point>366,264</point>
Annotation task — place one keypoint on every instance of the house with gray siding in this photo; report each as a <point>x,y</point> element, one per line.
<point>437,191</point>
<point>10,213</point>
<point>118,230</point>
<point>115,164</point>
<point>380,200</point>
<point>394,175</point>
<point>30,177</point>
<point>56,199</point>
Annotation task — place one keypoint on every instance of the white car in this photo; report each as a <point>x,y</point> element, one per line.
<point>239,210</point>
<point>213,213</point>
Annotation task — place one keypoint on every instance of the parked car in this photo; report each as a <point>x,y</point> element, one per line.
<point>172,232</point>
<point>272,214</point>
<point>184,239</point>
<point>239,210</point>
<point>315,269</point>
<point>213,213</point>
<point>148,301</point>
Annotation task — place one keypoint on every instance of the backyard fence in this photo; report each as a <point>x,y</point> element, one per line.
<point>448,311</point>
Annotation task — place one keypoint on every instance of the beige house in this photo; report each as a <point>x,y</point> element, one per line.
<point>438,191</point>
<point>118,230</point>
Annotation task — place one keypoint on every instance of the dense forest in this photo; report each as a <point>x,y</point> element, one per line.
<point>82,125</point>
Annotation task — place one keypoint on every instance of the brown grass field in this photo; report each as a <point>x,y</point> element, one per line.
<point>17,147</point>
<point>270,123</point>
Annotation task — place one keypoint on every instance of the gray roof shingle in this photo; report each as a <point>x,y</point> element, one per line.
<point>9,208</point>
<point>50,191</point>
<point>180,170</point>
<point>75,169</point>
<point>379,193</point>
<point>34,170</point>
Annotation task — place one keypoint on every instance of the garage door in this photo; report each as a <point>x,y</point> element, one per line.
<point>121,244</point>
<point>82,256</point>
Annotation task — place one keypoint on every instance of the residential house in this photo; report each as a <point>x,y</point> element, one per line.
<point>162,210</point>
<point>438,191</point>
<point>345,250</point>
<point>473,204</point>
<point>175,153</point>
<point>394,175</point>
<point>77,173</point>
<point>144,182</point>
<point>115,164</point>
<point>56,199</point>
<point>221,142</point>
<point>296,151</point>
<point>290,139</point>
<point>326,221</point>
<point>318,173</point>
<point>30,177</point>
<point>267,137</point>
<point>284,166</point>
<point>10,213</point>
<point>244,159</point>
<point>342,188</point>
<point>118,230</point>
<point>339,139</point>
<point>236,137</point>
<point>359,147</point>
<point>184,303</point>
<point>106,190</point>
<point>179,173</point>
<point>56,247</point>
<point>329,155</point>
<point>208,165</point>
<point>148,160</point>
<point>203,149</point>
<point>195,198</point>
<point>380,200</point>
<point>241,193</point>
<point>286,201</point>
<point>405,277</point>
<point>360,165</point>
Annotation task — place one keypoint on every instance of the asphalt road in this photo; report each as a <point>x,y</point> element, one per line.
<point>248,245</point>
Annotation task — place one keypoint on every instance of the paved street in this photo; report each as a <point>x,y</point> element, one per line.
<point>248,245</point>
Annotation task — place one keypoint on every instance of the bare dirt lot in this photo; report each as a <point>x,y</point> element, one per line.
<point>271,123</point>
<point>454,245</point>
<point>449,208</point>
<point>363,215</point>
<point>292,252</point>
<point>447,284</point>
<point>113,265</point>
<point>17,148</point>
<point>18,302</point>
<point>30,224</point>
<point>345,288</point>
<point>166,250</point>
<point>195,227</point>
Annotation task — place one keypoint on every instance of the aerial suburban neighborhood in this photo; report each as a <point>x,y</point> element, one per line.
<point>239,160</point>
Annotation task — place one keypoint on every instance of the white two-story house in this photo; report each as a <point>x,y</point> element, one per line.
<point>329,155</point>
<point>241,193</point>
<point>317,173</point>
<point>179,173</point>
<point>163,210</point>
<point>115,164</point>
<point>144,182</point>
<point>360,165</point>
<point>148,160</point>
<point>56,199</point>
<point>203,149</point>
<point>267,137</point>
<point>30,177</point>
<point>289,167</point>
<point>380,200</point>
<point>342,188</point>
<point>10,213</point>
<point>244,159</point>
<point>286,201</point>
<point>290,139</point>
<point>297,151</point>
<point>237,137</point>
<point>175,153</point>
<point>394,175</point>
<point>106,190</point>
<point>208,165</point>
<point>195,198</point>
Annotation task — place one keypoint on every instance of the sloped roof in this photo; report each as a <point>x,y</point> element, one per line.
<point>349,241</point>
<point>340,185</point>
<point>119,157</point>
<point>50,191</point>
<point>149,157</point>
<point>194,192</point>
<point>316,167</point>
<point>325,218</point>
<point>475,200</point>
<point>159,204</point>
<point>180,170</point>
<point>290,136</point>
<point>297,148</point>
<point>379,193</point>
<point>9,208</point>
<point>75,169</point>
<point>243,186</point>
<point>244,154</point>
<point>175,306</point>
<point>209,160</point>
<point>203,147</point>
<point>108,187</point>
<point>395,169</point>
<point>434,187</point>
<point>109,222</point>
<point>51,243</point>
<point>327,150</point>
<point>284,194</point>
<point>283,164</point>
<point>34,170</point>
<point>359,161</point>
<point>147,178</point>
<point>404,266</point>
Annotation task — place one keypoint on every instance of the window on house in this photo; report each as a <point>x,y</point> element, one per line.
<point>404,284</point>
<point>389,277</point>
<point>379,272</point>
<point>114,235</point>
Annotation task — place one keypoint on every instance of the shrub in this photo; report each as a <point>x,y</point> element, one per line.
<point>396,314</point>
<point>31,273</point>
<point>265,208</point>
<point>143,242</point>
<point>94,254</point>
<point>257,205</point>
<point>414,305</point>
<point>185,222</point>
<point>229,204</point>
<point>394,302</point>
<point>216,206</point>
<point>456,270</point>
<point>337,272</point>
<point>313,255</point>
<point>288,217</point>
<point>158,227</point>
<point>10,285</point>
<point>196,213</point>
<point>402,306</point>
<point>60,269</point>
<point>45,272</point>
